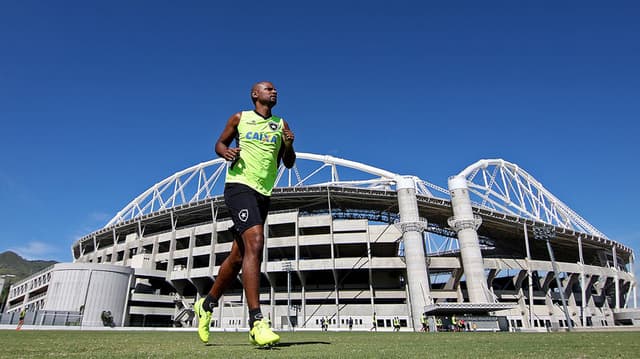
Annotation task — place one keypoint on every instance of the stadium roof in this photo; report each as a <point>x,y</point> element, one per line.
<point>501,193</point>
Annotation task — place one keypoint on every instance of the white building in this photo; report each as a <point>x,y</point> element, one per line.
<point>357,241</point>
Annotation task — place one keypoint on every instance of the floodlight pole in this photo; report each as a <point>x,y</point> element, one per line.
<point>546,233</point>
<point>287,266</point>
<point>634,284</point>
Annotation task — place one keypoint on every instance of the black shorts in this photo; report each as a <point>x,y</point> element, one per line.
<point>246,206</point>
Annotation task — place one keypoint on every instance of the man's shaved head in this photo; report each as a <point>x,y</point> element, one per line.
<point>256,87</point>
<point>263,88</point>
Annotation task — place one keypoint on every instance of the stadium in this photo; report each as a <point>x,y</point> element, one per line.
<point>346,240</point>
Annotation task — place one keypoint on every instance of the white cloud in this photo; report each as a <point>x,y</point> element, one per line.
<point>99,217</point>
<point>94,221</point>
<point>36,250</point>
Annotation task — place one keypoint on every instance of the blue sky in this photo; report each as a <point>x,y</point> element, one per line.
<point>99,101</point>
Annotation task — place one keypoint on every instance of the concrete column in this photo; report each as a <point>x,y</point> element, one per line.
<point>634,282</point>
<point>192,244</point>
<point>304,305</point>
<point>244,322</point>
<point>172,247</point>
<point>583,289</point>
<point>94,255</point>
<point>615,276</point>
<point>465,223</point>
<point>220,311</point>
<point>369,265</point>
<point>333,261</point>
<point>139,246</point>
<point>214,239</point>
<point>272,300</point>
<point>412,228</point>
<point>529,274</point>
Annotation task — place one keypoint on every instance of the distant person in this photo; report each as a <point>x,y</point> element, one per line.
<point>107,318</point>
<point>461,325</point>
<point>424,322</point>
<point>23,314</point>
<point>263,141</point>
<point>350,323</point>
<point>396,324</point>
<point>374,323</point>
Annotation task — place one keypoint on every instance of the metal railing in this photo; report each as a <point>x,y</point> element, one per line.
<point>44,317</point>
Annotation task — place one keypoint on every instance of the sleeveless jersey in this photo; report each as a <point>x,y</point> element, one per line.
<point>259,140</point>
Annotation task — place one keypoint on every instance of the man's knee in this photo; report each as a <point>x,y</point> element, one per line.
<point>253,242</point>
<point>236,260</point>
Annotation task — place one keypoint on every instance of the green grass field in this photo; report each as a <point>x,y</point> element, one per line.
<point>356,345</point>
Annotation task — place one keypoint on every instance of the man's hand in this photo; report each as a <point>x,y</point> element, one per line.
<point>288,137</point>
<point>287,153</point>
<point>231,154</point>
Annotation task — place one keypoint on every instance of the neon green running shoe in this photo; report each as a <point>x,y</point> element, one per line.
<point>204,320</point>
<point>261,334</point>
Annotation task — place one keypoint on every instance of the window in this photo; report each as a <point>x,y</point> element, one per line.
<point>311,231</point>
<point>282,230</point>
<point>203,240</point>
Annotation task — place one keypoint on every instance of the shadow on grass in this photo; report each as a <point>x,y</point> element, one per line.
<point>228,345</point>
<point>290,344</point>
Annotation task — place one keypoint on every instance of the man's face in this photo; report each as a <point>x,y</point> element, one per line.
<point>266,93</point>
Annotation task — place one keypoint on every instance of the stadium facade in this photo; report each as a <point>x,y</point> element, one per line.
<point>347,240</point>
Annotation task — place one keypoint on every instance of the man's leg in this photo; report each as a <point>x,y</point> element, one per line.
<point>253,239</point>
<point>229,270</point>
<point>259,331</point>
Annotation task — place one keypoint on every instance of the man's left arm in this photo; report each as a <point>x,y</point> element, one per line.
<point>287,153</point>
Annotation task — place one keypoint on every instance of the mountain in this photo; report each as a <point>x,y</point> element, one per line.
<point>12,263</point>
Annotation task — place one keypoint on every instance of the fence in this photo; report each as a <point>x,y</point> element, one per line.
<point>44,317</point>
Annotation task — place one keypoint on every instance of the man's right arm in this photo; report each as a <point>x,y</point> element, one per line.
<point>226,137</point>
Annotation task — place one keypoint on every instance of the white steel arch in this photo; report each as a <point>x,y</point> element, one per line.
<point>206,180</point>
<point>503,186</point>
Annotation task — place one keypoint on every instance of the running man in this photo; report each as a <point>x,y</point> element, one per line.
<point>23,314</point>
<point>264,141</point>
